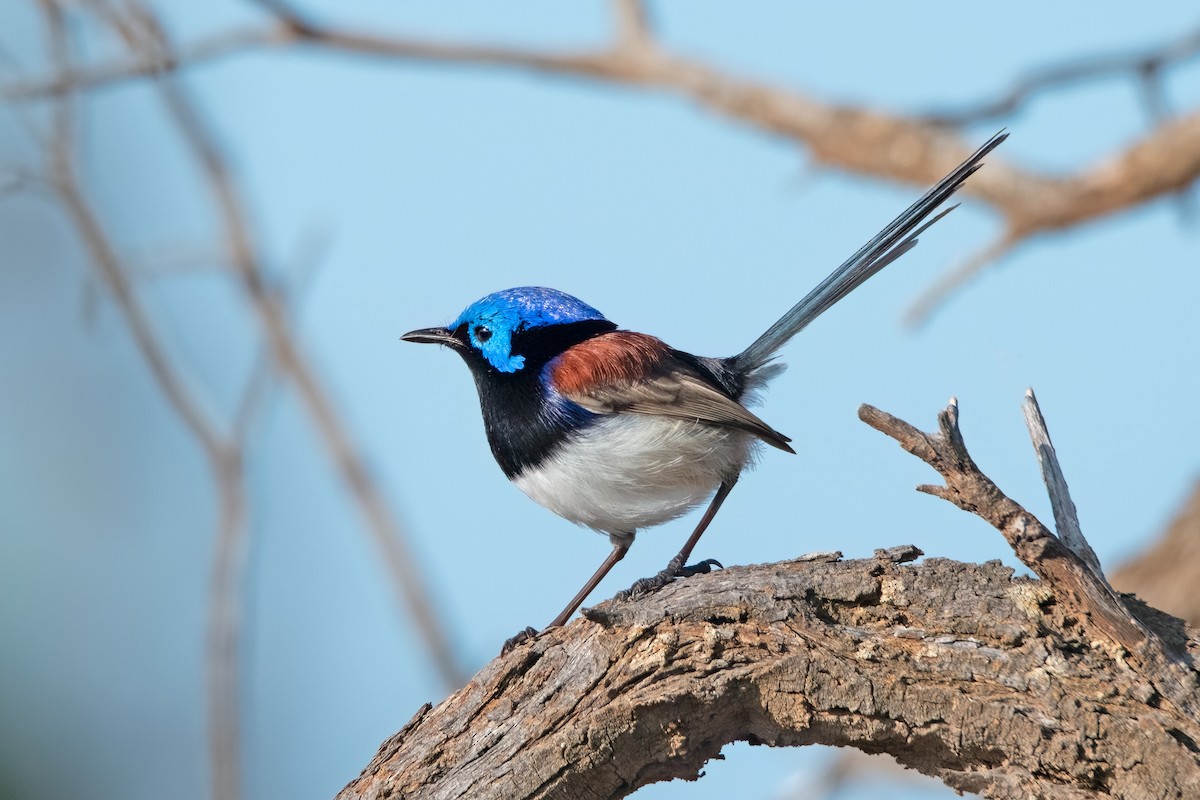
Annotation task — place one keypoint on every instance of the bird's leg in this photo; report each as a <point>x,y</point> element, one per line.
<point>620,548</point>
<point>620,545</point>
<point>675,567</point>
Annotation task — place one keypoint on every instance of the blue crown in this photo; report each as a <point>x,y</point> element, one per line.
<point>509,311</point>
<point>528,307</point>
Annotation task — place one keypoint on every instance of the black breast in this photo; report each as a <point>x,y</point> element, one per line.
<point>523,426</point>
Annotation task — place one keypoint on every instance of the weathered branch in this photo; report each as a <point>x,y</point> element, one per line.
<point>1066,518</point>
<point>957,670</point>
<point>1006,686</point>
<point>1084,593</point>
<point>1087,596</point>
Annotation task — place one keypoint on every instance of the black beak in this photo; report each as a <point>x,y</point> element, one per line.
<point>432,336</point>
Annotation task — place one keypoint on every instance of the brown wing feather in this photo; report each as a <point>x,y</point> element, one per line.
<point>624,372</point>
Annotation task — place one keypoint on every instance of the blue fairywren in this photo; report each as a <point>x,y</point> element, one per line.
<point>617,431</point>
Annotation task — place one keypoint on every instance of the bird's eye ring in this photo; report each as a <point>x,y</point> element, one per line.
<point>482,333</point>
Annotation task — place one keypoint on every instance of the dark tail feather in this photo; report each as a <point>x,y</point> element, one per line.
<point>889,244</point>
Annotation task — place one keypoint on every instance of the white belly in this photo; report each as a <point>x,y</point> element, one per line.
<point>633,471</point>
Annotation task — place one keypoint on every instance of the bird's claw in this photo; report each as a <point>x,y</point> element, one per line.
<point>527,635</point>
<point>699,568</point>
<point>674,570</point>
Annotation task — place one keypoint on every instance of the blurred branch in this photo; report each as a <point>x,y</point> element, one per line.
<point>632,24</point>
<point>846,767</point>
<point>60,156</point>
<point>1147,67</point>
<point>223,453</point>
<point>1167,573</point>
<point>142,30</point>
<point>914,149</point>
<point>264,378</point>
<point>138,28</point>
<point>225,625</point>
<point>1141,64</point>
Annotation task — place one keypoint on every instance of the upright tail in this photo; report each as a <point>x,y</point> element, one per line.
<point>889,244</point>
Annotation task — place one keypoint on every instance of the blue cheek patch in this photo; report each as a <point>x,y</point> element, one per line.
<point>498,349</point>
<point>511,310</point>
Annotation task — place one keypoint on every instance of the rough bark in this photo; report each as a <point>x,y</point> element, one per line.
<point>1012,687</point>
<point>961,671</point>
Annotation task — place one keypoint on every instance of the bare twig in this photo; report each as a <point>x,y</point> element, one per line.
<point>1085,594</point>
<point>1066,518</point>
<point>1038,548</point>
<point>1106,65</point>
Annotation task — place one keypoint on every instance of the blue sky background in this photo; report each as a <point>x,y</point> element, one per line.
<point>432,185</point>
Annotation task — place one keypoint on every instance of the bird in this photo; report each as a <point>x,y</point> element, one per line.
<point>617,431</point>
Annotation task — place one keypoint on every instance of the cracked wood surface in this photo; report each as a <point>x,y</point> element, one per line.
<point>961,671</point>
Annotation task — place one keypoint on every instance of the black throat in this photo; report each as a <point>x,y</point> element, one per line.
<point>523,426</point>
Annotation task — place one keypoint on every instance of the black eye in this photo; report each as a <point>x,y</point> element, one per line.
<point>482,334</point>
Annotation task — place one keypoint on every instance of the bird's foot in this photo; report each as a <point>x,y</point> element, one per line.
<point>675,569</point>
<point>526,635</point>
